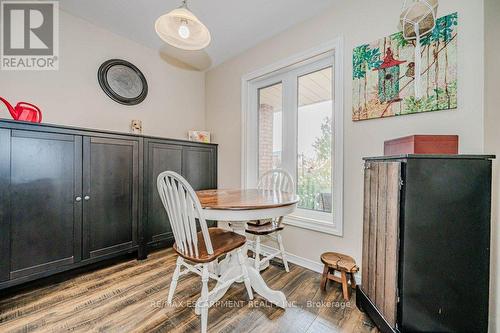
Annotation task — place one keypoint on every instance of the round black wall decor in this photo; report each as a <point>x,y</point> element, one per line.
<point>122,82</point>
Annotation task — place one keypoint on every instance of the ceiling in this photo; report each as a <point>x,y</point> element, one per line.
<point>312,88</point>
<point>235,25</point>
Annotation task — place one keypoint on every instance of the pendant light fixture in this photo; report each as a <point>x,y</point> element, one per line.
<point>182,29</point>
<point>417,20</point>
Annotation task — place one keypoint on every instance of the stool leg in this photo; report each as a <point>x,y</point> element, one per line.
<point>353,281</point>
<point>345,291</point>
<point>324,278</point>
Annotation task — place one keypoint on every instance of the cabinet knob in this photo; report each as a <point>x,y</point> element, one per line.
<point>87,198</point>
<point>78,199</point>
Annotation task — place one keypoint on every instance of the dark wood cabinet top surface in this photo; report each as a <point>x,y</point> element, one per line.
<point>24,125</point>
<point>429,156</point>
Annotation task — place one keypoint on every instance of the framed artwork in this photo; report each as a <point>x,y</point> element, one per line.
<point>136,126</point>
<point>199,136</point>
<point>122,82</point>
<point>384,74</point>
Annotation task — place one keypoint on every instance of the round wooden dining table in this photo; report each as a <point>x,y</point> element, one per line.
<point>237,207</point>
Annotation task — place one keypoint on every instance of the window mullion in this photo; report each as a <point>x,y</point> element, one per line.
<point>290,124</point>
<point>252,137</point>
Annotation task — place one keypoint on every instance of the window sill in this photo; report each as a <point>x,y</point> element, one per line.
<point>312,224</point>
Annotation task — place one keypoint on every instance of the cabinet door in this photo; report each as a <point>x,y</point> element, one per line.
<point>199,166</point>
<point>45,218</point>
<point>380,236</point>
<point>446,245</point>
<point>111,195</point>
<point>4,205</point>
<point>161,157</point>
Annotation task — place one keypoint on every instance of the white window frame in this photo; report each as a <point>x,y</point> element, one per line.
<point>332,53</point>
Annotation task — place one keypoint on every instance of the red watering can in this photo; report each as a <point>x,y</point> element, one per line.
<point>24,111</point>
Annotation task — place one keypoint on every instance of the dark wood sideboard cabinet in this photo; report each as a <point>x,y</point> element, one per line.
<point>196,163</point>
<point>71,197</point>
<point>426,243</point>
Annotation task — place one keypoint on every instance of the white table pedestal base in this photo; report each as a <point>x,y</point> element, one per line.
<point>229,268</point>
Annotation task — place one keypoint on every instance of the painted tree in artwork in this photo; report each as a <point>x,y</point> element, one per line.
<point>436,42</point>
<point>365,59</point>
<point>359,66</point>
<point>446,25</point>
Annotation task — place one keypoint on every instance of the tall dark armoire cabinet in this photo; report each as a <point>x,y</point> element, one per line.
<point>426,243</point>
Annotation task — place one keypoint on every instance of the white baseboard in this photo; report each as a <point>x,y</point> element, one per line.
<point>315,266</point>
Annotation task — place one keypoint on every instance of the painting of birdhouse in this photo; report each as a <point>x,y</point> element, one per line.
<point>384,74</point>
<point>388,78</point>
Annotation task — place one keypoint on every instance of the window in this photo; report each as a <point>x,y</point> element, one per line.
<point>314,141</point>
<point>270,127</point>
<point>293,120</point>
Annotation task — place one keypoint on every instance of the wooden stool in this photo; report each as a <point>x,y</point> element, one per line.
<point>345,265</point>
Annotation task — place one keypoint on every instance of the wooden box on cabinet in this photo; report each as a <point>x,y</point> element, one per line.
<point>422,144</point>
<point>426,241</point>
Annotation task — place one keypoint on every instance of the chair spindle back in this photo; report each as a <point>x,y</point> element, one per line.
<point>183,208</point>
<point>277,180</point>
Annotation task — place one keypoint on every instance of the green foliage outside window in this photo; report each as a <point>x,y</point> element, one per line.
<point>315,173</point>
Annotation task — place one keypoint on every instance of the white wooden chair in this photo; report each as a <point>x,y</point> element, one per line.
<point>197,250</point>
<point>275,180</point>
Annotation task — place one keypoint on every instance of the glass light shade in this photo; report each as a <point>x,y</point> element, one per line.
<point>171,28</point>
<point>418,17</point>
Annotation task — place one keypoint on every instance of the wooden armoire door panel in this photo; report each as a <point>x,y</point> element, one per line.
<point>161,157</point>
<point>111,195</point>
<point>381,236</point>
<point>45,218</point>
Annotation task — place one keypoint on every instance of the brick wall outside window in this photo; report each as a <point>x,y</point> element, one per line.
<point>266,119</point>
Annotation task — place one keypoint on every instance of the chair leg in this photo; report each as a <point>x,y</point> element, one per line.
<point>204,298</point>
<point>175,278</point>
<point>244,271</point>
<point>345,289</point>
<point>282,251</point>
<point>324,277</point>
<point>257,253</point>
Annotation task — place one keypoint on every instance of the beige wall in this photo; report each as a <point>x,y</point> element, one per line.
<point>72,95</point>
<point>492,141</point>
<point>358,22</point>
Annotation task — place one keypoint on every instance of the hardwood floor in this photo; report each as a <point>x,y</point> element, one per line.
<point>131,297</point>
